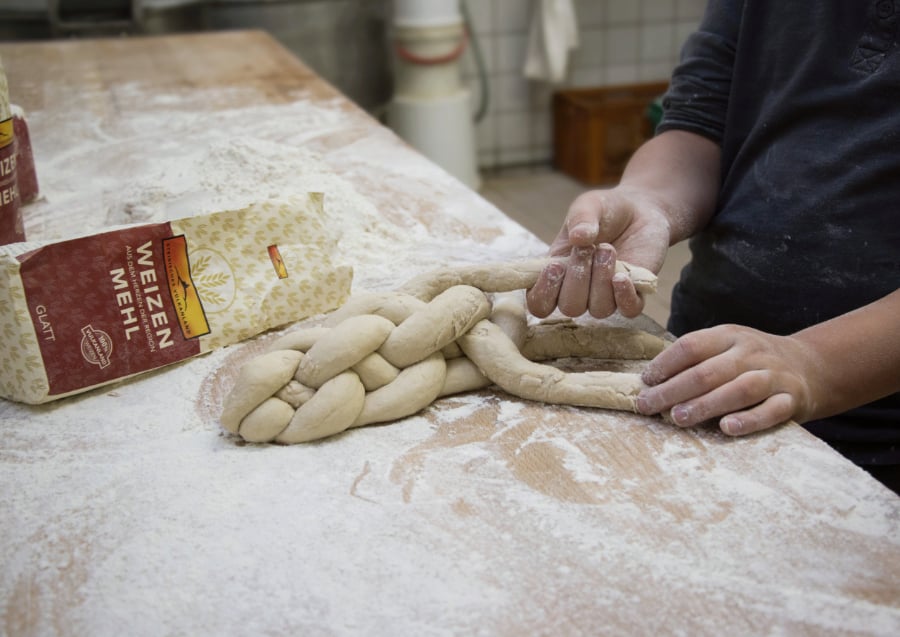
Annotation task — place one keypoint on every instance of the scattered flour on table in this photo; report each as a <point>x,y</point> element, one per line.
<point>123,502</point>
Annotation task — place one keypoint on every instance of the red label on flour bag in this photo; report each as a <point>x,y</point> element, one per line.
<point>26,177</point>
<point>133,298</point>
<point>11,227</point>
<point>80,313</point>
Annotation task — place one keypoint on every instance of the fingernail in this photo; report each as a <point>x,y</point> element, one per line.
<point>651,376</point>
<point>555,272</point>
<point>604,256</point>
<point>620,278</point>
<point>681,414</point>
<point>583,227</point>
<point>642,404</point>
<point>585,252</point>
<point>731,425</point>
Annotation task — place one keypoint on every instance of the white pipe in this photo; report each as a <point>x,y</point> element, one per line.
<point>429,37</point>
<point>441,129</point>
<point>426,13</point>
<point>430,108</point>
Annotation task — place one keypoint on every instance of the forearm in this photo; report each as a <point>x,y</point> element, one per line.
<point>855,358</point>
<point>680,171</point>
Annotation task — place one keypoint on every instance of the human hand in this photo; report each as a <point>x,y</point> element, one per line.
<point>747,379</point>
<point>601,226</point>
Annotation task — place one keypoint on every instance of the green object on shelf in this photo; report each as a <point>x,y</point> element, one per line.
<point>655,111</point>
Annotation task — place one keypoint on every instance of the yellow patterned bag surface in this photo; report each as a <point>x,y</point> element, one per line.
<point>88,311</point>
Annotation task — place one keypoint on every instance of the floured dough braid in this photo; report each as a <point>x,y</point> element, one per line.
<point>382,357</point>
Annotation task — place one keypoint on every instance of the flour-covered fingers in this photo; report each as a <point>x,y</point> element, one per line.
<point>742,392</point>
<point>687,351</point>
<point>745,379</point>
<point>777,409</point>
<point>576,286</point>
<point>691,367</point>
<point>561,284</point>
<point>628,301</point>
<point>602,300</point>
<point>542,297</point>
<point>681,392</point>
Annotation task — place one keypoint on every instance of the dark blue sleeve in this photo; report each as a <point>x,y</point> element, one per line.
<point>697,99</point>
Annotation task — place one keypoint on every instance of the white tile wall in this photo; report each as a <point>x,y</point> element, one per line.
<point>657,10</point>
<point>656,41</point>
<point>591,14</point>
<point>621,42</point>
<point>623,11</point>
<point>510,52</point>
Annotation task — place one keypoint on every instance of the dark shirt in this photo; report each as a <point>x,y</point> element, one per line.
<point>804,100</point>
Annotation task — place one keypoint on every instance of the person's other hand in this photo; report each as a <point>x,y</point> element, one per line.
<point>745,379</point>
<point>601,226</point>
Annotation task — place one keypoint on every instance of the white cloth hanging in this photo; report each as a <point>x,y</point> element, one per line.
<point>553,34</point>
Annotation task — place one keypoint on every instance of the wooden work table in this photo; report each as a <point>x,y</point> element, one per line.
<point>127,510</point>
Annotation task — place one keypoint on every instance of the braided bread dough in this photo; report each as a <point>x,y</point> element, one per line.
<point>382,357</point>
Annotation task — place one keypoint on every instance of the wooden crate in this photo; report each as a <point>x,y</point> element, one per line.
<point>596,130</point>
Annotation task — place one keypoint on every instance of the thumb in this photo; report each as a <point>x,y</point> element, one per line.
<point>583,218</point>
